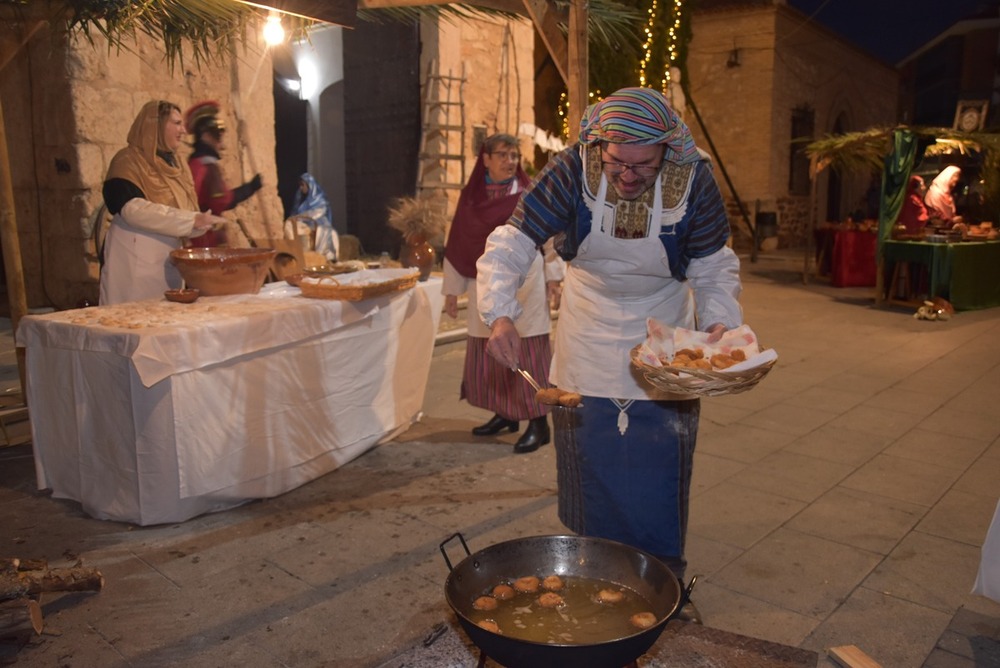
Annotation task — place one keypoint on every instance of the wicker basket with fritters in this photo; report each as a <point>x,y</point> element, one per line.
<point>701,382</point>
<point>688,362</point>
<point>359,285</point>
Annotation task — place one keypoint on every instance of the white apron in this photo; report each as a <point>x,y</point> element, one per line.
<point>137,264</point>
<point>611,287</point>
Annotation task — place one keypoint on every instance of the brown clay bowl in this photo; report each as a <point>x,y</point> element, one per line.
<point>182,296</point>
<point>224,271</point>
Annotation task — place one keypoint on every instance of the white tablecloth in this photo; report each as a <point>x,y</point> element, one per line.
<point>155,412</point>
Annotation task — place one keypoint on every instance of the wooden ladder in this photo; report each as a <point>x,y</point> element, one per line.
<point>442,140</point>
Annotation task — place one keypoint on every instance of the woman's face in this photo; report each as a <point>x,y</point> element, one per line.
<point>502,162</point>
<point>172,130</point>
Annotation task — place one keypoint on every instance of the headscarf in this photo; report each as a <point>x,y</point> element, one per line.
<point>914,213</point>
<point>476,215</point>
<point>314,198</point>
<point>160,182</point>
<point>939,197</point>
<point>639,116</point>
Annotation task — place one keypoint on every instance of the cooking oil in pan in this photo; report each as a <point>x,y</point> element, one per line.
<point>586,615</point>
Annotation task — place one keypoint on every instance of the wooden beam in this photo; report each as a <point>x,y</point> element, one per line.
<point>338,12</point>
<point>577,84</point>
<point>547,17</point>
<point>509,6</point>
<point>850,656</point>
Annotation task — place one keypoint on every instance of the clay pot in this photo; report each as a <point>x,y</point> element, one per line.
<point>224,271</point>
<point>417,252</point>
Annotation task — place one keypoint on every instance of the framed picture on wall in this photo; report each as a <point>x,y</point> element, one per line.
<point>970,115</point>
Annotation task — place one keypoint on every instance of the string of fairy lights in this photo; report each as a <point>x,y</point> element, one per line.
<point>671,48</point>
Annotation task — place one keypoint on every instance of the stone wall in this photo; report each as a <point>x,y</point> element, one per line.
<point>495,58</point>
<point>68,105</point>
<point>750,67</point>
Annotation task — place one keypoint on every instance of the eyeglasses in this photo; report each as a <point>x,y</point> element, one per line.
<point>618,168</point>
<point>507,155</point>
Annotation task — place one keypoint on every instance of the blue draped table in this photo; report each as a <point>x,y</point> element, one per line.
<point>966,273</point>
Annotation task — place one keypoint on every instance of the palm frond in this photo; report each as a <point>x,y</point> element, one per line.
<point>210,27</point>
<point>866,150</point>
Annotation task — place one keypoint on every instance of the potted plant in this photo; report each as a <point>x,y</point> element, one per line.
<point>421,222</point>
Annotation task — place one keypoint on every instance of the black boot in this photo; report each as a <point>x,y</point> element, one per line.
<point>495,426</point>
<point>535,435</point>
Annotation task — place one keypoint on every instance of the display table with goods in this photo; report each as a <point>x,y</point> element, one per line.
<point>853,262</point>
<point>156,411</point>
<point>966,273</point>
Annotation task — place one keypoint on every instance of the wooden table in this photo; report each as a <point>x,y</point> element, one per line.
<point>966,273</point>
<point>154,412</point>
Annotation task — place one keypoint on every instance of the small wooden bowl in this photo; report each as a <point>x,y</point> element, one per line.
<point>183,296</point>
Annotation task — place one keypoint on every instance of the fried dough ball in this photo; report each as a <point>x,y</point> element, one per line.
<point>738,355</point>
<point>553,396</point>
<point>694,354</point>
<point>681,360</point>
<point>643,620</point>
<point>503,592</point>
<point>489,625</point>
<point>610,596</point>
<point>550,599</point>
<point>485,603</point>
<point>722,361</point>
<point>526,585</point>
<point>549,396</point>
<point>700,363</point>
<point>570,400</point>
<point>552,583</point>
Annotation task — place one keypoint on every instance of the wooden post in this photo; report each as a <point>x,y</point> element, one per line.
<point>578,85</point>
<point>9,238</point>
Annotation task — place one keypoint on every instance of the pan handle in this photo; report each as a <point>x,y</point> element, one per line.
<point>448,540</point>
<point>685,596</point>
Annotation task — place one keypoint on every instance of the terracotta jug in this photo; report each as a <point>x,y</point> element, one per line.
<point>417,252</point>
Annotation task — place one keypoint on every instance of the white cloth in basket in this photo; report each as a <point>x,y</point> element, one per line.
<point>663,340</point>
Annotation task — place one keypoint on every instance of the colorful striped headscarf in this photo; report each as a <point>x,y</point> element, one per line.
<point>639,116</point>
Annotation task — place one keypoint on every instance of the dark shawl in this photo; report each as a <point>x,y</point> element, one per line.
<point>476,216</point>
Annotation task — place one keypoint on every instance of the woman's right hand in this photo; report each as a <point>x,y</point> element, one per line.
<point>504,342</point>
<point>206,219</point>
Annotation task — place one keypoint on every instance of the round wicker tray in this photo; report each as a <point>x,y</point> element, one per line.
<point>331,288</point>
<point>701,382</point>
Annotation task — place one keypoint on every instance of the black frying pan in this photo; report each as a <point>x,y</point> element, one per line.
<point>564,556</point>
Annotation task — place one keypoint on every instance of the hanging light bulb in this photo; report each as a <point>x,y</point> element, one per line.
<point>274,32</point>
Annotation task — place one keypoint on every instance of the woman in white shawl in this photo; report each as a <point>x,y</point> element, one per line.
<point>939,199</point>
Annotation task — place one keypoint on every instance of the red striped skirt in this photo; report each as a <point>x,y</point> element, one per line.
<point>488,384</point>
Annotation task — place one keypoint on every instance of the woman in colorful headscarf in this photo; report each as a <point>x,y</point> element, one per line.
<point>636,211</point>
<point>939,199</point>
<point>486,202</point>
<point>150,193</point>
<point>913,215</point>
<point>311,216</point>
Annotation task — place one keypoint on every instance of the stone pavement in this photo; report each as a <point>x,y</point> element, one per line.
<point>843,501</point>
